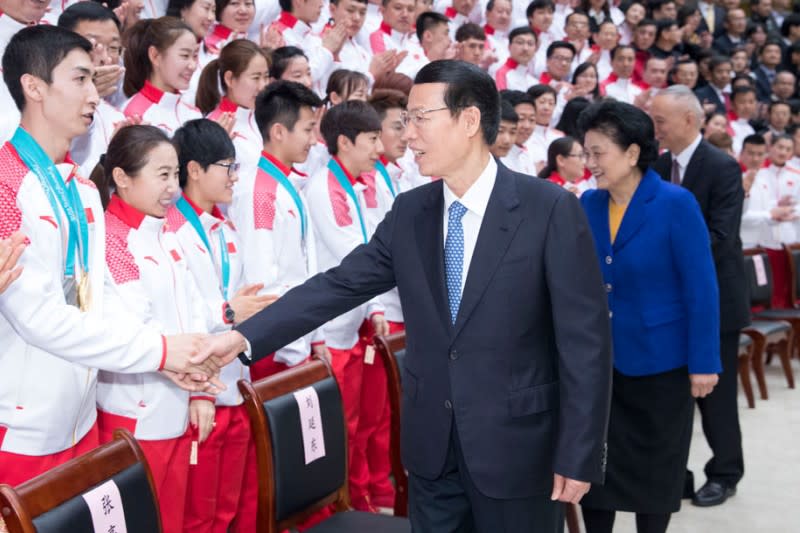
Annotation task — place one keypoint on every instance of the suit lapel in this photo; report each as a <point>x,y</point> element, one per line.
<point>429,228</point>
<point>636,212</point>
<point>500,223</point>
<point>597,213</point>
<point>692,172</point>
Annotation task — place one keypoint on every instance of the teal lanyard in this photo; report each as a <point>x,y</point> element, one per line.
<point>270,168</point>
<point>385,173</point>
<point>58,193</point>
<point>334,167</point>
<point>191,216</point>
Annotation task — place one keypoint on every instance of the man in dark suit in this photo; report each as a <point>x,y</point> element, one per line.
<point>506,386</point>
<point>715,96</point>
<point>734,36</point>
<point>716,181</point>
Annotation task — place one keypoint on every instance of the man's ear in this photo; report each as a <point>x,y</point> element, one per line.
<point>33,88</point>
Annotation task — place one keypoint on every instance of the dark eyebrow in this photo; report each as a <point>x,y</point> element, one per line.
<point>83,70</point>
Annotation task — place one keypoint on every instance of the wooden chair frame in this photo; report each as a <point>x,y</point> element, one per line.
<point>794,268</point>
<point>255,394</point>
<point>21,504</point>
<point>776,343</point>
<point>386,348</point>
<point>743,367</point>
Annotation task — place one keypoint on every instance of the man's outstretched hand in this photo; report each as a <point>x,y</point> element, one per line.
<point>219,350</point>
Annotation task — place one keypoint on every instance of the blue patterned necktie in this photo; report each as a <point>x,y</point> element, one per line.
<point>454,257</point>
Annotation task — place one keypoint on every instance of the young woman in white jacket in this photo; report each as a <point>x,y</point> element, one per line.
<point>219,491</point>
<point>152,277</point>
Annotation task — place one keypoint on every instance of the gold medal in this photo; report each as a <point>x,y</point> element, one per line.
<point>84,293</point>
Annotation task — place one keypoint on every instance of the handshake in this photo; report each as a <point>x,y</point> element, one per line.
<point>194,361</point>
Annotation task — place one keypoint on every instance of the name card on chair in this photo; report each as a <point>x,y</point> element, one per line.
<point>105,505</point>
<point>761,272</point>
<point>310,423</point>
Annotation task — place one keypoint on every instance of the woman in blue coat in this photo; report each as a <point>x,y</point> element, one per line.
<point>655,254</point>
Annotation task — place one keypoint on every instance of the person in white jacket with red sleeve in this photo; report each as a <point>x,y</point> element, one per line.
<point>160,60</point>
<point>338,199</point>
<point>271,213</point>
<point>219,490</point>
<point>151,272</point>
<point>62,318</point>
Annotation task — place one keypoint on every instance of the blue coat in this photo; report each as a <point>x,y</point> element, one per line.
<point>660,279</point>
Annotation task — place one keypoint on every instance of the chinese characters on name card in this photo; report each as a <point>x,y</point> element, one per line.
<point>311,423</point>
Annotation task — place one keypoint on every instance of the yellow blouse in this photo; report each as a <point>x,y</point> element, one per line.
<point>615,214</point>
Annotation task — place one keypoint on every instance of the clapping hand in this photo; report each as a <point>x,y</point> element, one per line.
<point>10,251</point>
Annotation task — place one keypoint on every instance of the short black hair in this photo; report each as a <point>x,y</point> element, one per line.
<point>790,20</point>
<point>382,100</point>
<point>202,141</point>
<point>658,4</point>
<point>741,90</point>
<point>781,137</point>
<point>770,42</point>
<point>280,59</point>
<point>522,30</point>
<point>516,98</point>
<point>540,89</point>
<point>646,22</point>
<point>429,20</point>
<point>664,25</point>
<point>755,139</point>
<point>38,50</point>
<point>776,103</point>
<point>555,45</point>
<point>536,5</point>
<point>625,125</point>
<point>470,30</point>
<point>350,118</point>
<point>717,61</point>
<point>280,102</point>
<point>507,113</point>
<point>467,86</point>
<point>91,11</point>
<point>285,5</point>
<point>621,47</point>
<point>577,12</point>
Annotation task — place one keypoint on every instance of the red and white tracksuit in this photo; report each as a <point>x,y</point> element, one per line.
<point>167,111</point>
<point>295,32</point>
<point>245,135</point>
<point>274,250</point>
<point>152,276</point>
<point>512,75</point>
<point>338,231</point>
<point>48,367</point>
<point>538,143</point>
<point>774,184</point>
<point>216,493</point>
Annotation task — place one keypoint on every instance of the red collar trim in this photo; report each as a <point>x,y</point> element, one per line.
<point>450,12</point>
<point>125,212</point>
<point>151,92</point>
<point>510,63</point>
<point>488,30</point>
<point>350,177</point>
<point>221,31</point>
<point>556,178</point>
<point>610,79</point>
<point>385,28</point>
<point>545,78</point>
<point>384,160</point>
<point>287,19</point>
<point>227,106</point>
<point>274,160</point>
<point>537,31</point>
<point>732,115</point>
<point>215,212</point>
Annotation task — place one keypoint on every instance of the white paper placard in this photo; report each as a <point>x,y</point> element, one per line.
<point>105,504</point>
<point>761,272</point>
<point>310,423</point>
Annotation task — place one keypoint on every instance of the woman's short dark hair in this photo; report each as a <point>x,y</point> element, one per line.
<point>350,119</point>
<point>625,125</point>
<point>467,86</point>
<point>568,123</point>
<point>280,59</point>
<point>583,67</point>
<point>203,141</point>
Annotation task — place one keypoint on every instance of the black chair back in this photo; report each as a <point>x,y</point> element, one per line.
<point>760,285</point>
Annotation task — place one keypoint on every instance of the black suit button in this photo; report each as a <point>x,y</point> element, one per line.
<point>453,355</point>
<point>448,404</point>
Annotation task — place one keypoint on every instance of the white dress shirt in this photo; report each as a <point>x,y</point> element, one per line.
<point>475,200</point>
<point>685,156</point>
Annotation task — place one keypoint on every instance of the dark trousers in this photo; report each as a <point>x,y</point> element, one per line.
<point>602,521</point>
<point>720,418</point>
<point>452,504</point>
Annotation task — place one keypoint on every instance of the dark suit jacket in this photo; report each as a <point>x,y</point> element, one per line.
<point>723,45</point>
<point>719,22</point>
<point>707,93</point>
<point>524,372</point>
<point>763,85</point>
<point>715,179</point>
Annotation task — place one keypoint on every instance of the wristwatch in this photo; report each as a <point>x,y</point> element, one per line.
<point>227,312</point>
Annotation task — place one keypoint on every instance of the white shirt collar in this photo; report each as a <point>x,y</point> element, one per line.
<point>685,156</point>
<point>477,196</point>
